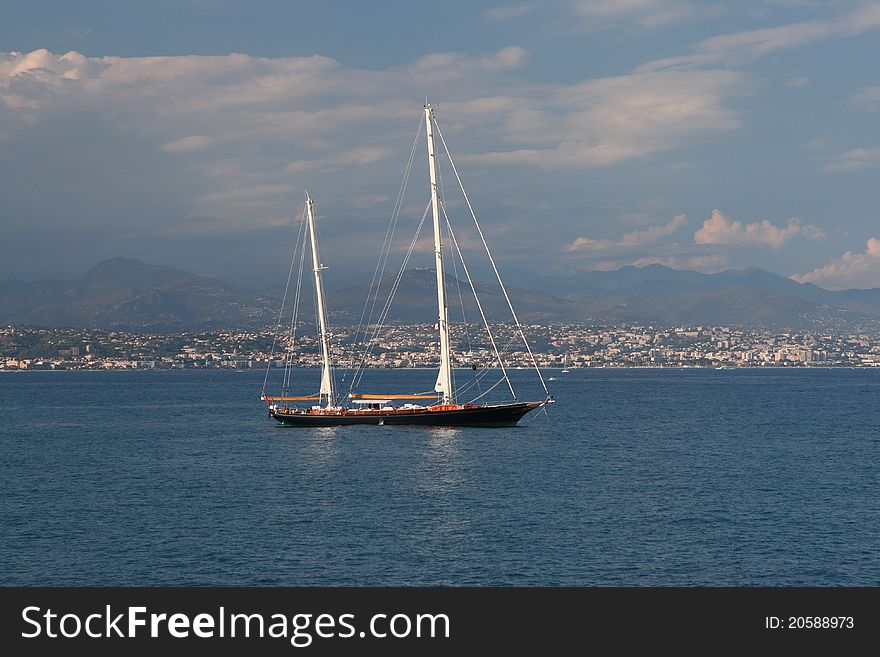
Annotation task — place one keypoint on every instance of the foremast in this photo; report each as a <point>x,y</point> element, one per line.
<point>326,379</point>
<point>444,377</point>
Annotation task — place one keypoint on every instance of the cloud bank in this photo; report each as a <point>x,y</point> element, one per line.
<point>642,13</point>
<point>720,230</point>
<point>854,160</point>
<point>163,147</point>
<point>635,238</point>
<point>849,270</point>
<point>748,45</point>
<point>147,150</point>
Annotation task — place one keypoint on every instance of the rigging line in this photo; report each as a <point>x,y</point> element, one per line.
<point>464,321</point>
<point>492,260</point>
<point>494,385</point>
<point>291,335</point>
<point>486,369</point>
<point>281,310</point>
<point>477,299</point>
<point>399,277</point>
<point>476,382</point>
<point>386,244</point>
<point>384,314</point>
<point>464,324</point>
<point>481,374</point>
<point>294,316</point>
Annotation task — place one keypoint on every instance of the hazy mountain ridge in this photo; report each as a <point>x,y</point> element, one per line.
<point>416,301</point>
<point>127,294</point>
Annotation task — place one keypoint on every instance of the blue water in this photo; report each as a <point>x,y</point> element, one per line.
<point>639,477</point>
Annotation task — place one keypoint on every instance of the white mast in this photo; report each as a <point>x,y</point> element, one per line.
<point>326,381</point>
<point>444,378</point>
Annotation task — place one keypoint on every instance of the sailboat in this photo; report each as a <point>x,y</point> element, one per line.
<point>565,364</point>
<point>440,408</point>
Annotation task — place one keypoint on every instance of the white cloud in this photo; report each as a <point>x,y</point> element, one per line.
<point>601,122</point>
<point>357,157</point>
<point>849,270</point>
<point>708,264</point>
<point>321,108</point>
<point>654,233</point>
<point>271,124</point>
<point>255,130</point>
<point>643,13</point>
<point>721,230</point>
<point>867,98</point>
<point>187,144</point>
<point>854,160</point>
<point>499,14</point>
<point>452,65</point>
<point>635,238</point>
<point>752,44</point>
<point>43,63</point>
<point>585,243</point>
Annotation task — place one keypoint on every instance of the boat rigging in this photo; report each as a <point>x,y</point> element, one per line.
<point>443,407</point>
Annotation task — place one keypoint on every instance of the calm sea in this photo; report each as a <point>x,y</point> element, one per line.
<point>635,477</point>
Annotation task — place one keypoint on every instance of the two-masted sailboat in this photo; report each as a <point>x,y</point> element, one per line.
<point>443,407</point>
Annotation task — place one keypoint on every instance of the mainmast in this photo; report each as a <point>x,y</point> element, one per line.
<point>444,378</point>
<point>317,267</point>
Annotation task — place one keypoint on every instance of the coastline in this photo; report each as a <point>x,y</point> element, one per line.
<point>462,369</point>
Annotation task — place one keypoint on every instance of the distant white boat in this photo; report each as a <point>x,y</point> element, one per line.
<point>565,364</point>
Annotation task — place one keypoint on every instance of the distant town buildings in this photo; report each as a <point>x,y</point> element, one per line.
<point>23,348</point>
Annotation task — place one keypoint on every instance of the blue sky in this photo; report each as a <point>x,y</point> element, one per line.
<point>590,133</point>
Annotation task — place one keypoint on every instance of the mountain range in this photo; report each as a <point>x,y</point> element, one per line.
<point>126,294</point>
<point>749,298</point>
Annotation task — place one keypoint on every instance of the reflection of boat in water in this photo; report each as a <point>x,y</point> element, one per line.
<point>443,407</point>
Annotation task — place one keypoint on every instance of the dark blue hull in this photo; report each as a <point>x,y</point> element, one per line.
<point>496,415</point>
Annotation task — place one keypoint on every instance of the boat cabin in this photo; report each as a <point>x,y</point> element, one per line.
<point>374,404</point>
